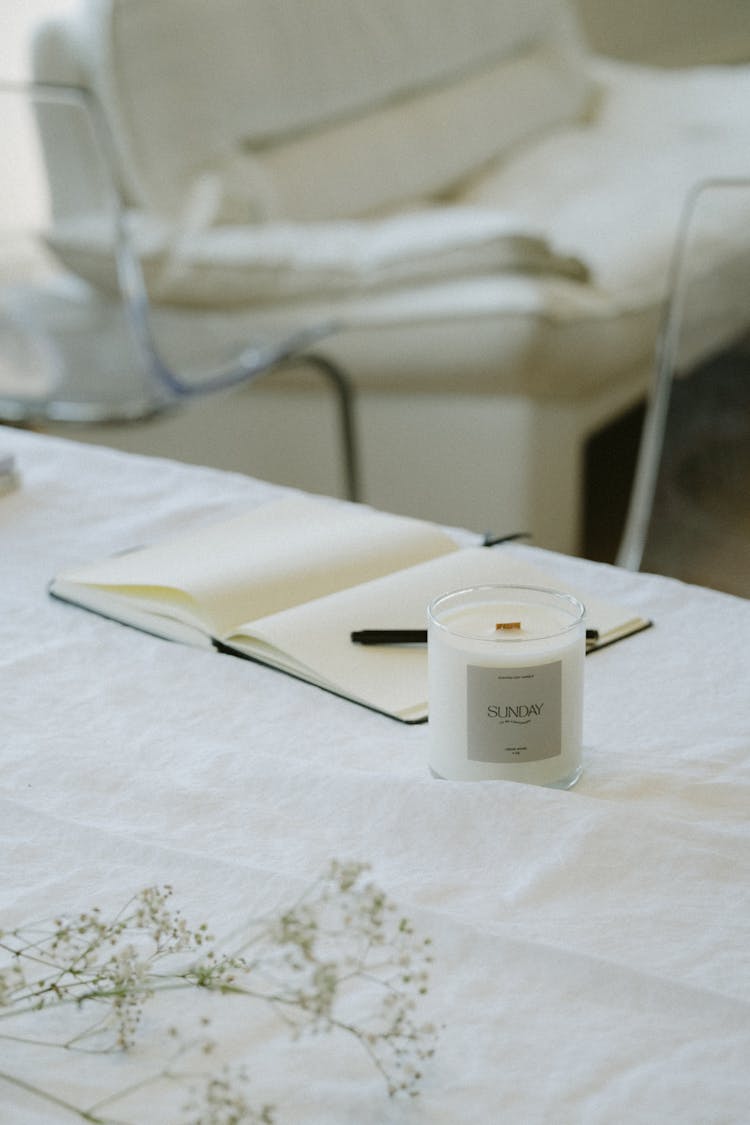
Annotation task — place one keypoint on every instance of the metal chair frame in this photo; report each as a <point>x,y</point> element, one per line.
<point>633,541</point>
<point>170,387</point>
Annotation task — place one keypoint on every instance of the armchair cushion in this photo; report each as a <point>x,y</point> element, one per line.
<point>613,188</point>
<point>326,110</point>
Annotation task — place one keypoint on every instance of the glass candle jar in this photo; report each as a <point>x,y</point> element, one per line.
<point>506,685</point>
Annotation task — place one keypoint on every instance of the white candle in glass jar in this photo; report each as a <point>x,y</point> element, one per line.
<point>506,685</point>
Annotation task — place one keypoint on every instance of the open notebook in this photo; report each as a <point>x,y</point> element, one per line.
<point>287,583</point>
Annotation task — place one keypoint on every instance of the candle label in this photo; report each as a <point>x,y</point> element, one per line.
<point>514,714</point>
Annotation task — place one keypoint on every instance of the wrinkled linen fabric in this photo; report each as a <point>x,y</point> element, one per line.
<point>590,946</point>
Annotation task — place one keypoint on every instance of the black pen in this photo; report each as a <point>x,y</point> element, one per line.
<point>390,637</point>
<point>413,636</point>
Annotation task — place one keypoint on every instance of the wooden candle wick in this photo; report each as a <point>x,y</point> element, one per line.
<point>507,625</point>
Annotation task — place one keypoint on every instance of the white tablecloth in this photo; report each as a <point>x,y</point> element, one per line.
<point>592,947</point>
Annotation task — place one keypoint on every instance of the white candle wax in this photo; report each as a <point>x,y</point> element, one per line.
<point>506,703</point>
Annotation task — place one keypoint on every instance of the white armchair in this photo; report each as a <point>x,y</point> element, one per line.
<point>485,210</point>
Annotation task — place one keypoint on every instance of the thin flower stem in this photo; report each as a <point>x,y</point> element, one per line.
<point>169,1072</point>
<point>54,1099</point>
<point>126,1091</point>
<point>31,1042</point>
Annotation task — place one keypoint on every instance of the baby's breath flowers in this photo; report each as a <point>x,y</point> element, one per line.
<point>339,959</point>
<point>222,1101</point>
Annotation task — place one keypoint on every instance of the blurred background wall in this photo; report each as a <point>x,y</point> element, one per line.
<point>669,32</point>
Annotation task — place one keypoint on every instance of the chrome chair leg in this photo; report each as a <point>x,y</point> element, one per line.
<point>342,388</point>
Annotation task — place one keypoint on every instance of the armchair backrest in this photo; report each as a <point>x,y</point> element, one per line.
<point>321,108</point>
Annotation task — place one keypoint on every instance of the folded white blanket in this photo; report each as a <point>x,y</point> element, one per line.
<point>239,265</point>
